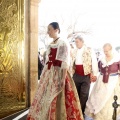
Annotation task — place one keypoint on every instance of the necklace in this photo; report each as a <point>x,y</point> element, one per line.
<point>56,40</point>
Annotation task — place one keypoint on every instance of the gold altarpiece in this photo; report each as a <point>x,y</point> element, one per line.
<point>12,70</point>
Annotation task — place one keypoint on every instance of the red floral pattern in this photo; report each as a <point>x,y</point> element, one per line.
<point>71,106</point>
<point>72,109</point>
<point>52,100</point>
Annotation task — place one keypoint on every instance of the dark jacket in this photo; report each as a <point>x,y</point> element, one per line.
<point>40,67</point>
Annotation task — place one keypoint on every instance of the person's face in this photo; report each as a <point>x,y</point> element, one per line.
<point>107,51</point>
<point>78,43</point>
<point>51,31</point>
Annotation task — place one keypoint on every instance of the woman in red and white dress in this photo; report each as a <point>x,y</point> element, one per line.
<point>56,97</point>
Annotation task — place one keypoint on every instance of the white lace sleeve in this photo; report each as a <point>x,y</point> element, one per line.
<point>63,54</point>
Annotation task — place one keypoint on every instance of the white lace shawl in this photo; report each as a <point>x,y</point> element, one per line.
<point>63,53</point>
<point>116,58</point>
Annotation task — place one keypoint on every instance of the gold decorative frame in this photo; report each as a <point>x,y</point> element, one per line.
<point>12,62</point>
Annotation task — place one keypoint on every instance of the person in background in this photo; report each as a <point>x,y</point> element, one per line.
<point>40,66</point>
<point>118,49</point>
<point>56,97</point>
<point>99,104</point>
<point>72,55</point>
<point>86,69</point>
<point>44,58</point>
<point>98,55</point>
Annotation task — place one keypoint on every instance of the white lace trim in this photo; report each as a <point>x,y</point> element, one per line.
<point>116,58</point>
<point>63,52</point>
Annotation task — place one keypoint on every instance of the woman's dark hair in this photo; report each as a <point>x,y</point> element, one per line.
<point>55,25</point>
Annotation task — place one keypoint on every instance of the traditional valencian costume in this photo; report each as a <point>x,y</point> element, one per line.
<point>56,99</point>
<point>99,104</point>
<point>85,64</point>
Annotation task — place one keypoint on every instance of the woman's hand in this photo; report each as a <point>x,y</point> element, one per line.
<point>64,77</point>
<point>93,78</point>
<point>62,82</point>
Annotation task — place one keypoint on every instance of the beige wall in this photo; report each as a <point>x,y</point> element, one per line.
<point>31,50</point>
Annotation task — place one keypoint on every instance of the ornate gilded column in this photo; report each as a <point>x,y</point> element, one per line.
<point>12,66</point>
